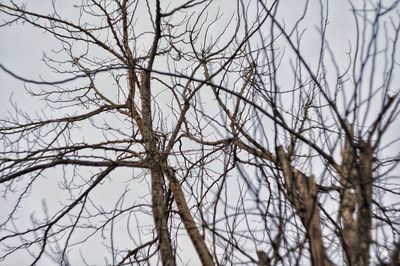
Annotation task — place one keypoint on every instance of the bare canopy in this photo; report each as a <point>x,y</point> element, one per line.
<point>201,132</point>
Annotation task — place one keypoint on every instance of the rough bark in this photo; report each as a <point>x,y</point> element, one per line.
<point>356,197</point>
<point>159,211</point>
<point>157,188</point>
<point>187,219</point>
<point>263,259</point>
<point>302,194</point>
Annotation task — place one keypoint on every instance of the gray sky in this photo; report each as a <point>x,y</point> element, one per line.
<point>21,51</point>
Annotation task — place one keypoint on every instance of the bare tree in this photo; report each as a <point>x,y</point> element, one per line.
<point>261,132</point>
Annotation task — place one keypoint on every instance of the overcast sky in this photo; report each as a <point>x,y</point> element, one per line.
<point>21,51</point>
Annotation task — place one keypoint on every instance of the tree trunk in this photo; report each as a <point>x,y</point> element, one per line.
<point>302,194</point>
<point>356,197</point>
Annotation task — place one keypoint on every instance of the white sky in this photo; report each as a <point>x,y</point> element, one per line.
<point>21,50</point>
